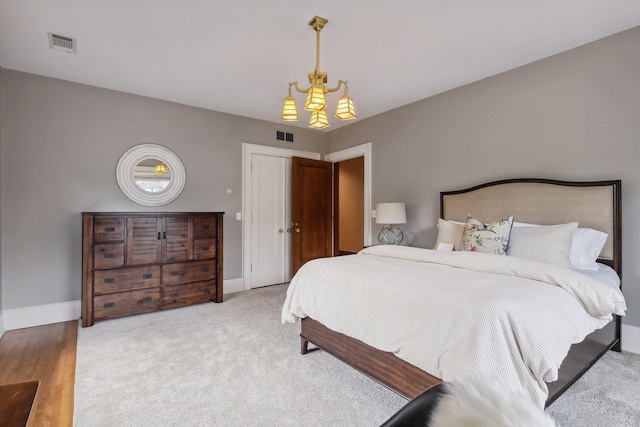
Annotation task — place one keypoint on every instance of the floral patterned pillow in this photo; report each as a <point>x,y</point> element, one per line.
<point>488,238</point>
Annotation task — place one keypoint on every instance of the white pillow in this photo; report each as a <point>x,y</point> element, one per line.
<point>450,232</point>
<point>586,246</point>
<point>551,243</point>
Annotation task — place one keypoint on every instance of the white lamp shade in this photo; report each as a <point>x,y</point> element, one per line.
<point>391,213</point>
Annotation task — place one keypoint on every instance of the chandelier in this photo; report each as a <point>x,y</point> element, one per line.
<point>161,168</point>
<point>316,103</point>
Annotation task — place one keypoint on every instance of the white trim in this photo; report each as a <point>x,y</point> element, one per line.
<point>351,153</point>
<point>36,315</point>
<point>247,151</point>
<point>232,286</point>
<point>630,337</point>
<point>1,324</point>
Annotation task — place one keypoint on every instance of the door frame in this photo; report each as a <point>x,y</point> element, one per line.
<point>362,150</point>
<point>247,151</point>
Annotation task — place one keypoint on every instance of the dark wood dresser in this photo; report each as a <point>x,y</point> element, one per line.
<point>135,263</point>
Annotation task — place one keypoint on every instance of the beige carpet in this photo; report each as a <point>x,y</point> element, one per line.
<point>235,364</point>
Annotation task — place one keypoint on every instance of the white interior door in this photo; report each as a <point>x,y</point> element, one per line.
<point>270,215</point>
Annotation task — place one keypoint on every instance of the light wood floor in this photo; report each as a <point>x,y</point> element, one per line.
<point>46,354</point>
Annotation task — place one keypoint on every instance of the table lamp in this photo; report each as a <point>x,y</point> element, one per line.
<point>390,214</point>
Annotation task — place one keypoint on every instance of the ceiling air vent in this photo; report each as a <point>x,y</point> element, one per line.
<point>65,44</point>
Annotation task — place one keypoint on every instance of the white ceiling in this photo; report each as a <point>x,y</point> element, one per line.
<point>238,56</point>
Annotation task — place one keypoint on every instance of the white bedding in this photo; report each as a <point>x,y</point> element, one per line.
<point>456,314</point>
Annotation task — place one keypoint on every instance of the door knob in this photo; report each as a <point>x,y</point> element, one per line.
<point>297,230</point>
<point>281,231</point>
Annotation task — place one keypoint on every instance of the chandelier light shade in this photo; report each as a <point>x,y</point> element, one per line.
<point>315,98</point>
<point>346,110</point>
<point>289,111</point>
<point>319,120</point>
<point>161,168</point>
<point>316,102</point>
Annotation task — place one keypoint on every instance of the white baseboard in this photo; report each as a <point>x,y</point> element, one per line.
<point>26,317</point>
<point>1,324</point>
<point>37,315</point>
<point>232,286</point>
<point>630,337</point>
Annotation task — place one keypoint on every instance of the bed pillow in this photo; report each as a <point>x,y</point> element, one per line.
<point>488,238</point>
<point>586,245</point>
<point>550,244</point>
<point>450,232</point>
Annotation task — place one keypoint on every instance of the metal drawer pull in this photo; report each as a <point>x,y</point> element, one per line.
<point>205,226</point>
<point>109,305</point>
<point>158,235</point>
<point>147,276</point>
<point>205,269</point>
<point>205,248</point>
<point>146,299</point>
<point>164,234</point>
<point>109,229</point>
<point>175,273</point>
<point>206,291</point>
<point>174,295</point>
<point>109,280</point>
<point>111,255</point>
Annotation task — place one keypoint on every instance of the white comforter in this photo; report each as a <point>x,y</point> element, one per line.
<point>456,314</point>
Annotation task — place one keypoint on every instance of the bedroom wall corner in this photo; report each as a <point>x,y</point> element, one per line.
<point>571,116</point>
<point>85,151</point>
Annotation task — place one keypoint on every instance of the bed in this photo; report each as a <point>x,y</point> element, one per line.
<point>594,205</point>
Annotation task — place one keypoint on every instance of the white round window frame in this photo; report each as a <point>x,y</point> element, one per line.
<point>129,160</point>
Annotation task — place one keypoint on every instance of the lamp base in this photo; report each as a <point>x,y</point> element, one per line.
<point>390,235</point>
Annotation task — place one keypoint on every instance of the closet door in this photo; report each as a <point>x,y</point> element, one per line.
<point>144,240</point>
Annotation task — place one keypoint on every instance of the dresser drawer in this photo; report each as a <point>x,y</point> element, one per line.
<point>108,229</point>
<point>124,279</point>
<point>192,293</point>
<point>126,303</point>
<point>108,255</point>
<point>205,226</point>
<point>204,249</point>
<point>185,272</point>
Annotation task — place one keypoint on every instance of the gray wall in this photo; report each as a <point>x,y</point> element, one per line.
<point>572,116</point>
<point>61,142</point>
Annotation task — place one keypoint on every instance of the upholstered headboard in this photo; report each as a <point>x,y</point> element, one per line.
<point>541,201</point>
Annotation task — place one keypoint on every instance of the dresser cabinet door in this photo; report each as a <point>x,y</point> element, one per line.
<point>204,249</point>
<point>124,279</point>
<point>177,238</point>
<point>108,255</point>
<point>205,226</point>
<point>173,274</point>
<point>191,293</point>
<point>126,303</point>
<point>108,229</point>
<point>144,240</point>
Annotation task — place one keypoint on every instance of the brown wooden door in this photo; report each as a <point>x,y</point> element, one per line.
<point>310,210</point>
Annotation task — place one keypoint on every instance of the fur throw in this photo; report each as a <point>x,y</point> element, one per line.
<point>485,403</point>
